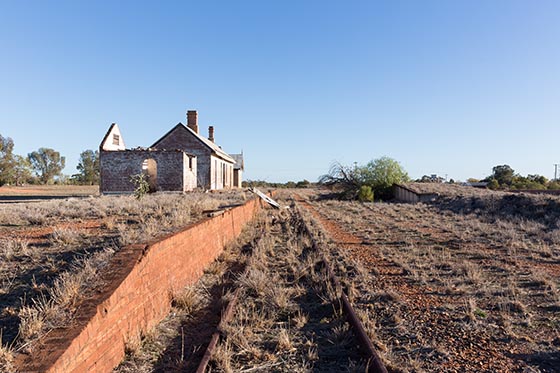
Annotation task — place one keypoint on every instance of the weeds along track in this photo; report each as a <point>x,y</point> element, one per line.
<point>288,316</point>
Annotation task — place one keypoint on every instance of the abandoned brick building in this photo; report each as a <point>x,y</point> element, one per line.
<point>179,161</point>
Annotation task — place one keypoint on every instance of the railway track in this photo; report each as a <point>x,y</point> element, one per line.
<point>277,305</point>
<point>341,345</point>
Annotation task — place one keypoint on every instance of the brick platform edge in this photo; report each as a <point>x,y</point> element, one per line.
<point>140,281</point>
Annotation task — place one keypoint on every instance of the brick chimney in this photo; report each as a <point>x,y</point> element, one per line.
<point>211,133</point>
<point>192,120</point>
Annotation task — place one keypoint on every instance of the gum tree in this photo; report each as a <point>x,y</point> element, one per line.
<point>47,163</point>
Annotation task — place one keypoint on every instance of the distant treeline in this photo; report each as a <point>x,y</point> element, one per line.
<point>503,177</point>
<point>44,166</point>
<point>265,184</point>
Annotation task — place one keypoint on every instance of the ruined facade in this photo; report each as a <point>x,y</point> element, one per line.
<point>180,161</point>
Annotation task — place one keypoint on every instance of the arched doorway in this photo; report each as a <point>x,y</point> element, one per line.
<point>149,169</point>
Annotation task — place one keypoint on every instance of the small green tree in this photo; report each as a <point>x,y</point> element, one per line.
<point>22,170</point>
<point>6,160</point>
<point>379,174</point>
<point>141,185</point>
<point>47,163</point>
<point>365,194</point>
<point>493,184</point>
<point>553,185</point>
<point>88,168</point>
<point>503,175</point>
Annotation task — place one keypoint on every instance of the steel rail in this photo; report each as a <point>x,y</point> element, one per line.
<point>375,365</point>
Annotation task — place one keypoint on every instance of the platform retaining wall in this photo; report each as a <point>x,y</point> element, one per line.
<point>137,295</point>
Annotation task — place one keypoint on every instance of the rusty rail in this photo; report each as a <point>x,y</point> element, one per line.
<point>226,316</point>
<point>375,365</point>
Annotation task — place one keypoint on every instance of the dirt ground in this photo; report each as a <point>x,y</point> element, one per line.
<point>50,190</point>
<point>467,283</point>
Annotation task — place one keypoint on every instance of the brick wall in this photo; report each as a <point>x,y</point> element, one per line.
<point>140,281</point>
<point>116,167</point>
<point>181,138</point>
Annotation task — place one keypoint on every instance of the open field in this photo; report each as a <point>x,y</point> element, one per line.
<point>54,252</point>
<point>44,191</point>
<point>467,283</point>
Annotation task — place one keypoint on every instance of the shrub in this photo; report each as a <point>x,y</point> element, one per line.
<point>365,194</point>
<point>380,175</point>
<point>493,184</point>
<point>141,185</point>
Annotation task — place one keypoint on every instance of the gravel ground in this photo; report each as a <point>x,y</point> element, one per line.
<point>469,282</point>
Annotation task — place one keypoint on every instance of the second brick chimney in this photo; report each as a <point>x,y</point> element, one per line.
<point>192,120</point>
<point>211,133</point>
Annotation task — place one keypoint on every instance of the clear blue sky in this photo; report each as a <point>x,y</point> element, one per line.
<point>446,87</point>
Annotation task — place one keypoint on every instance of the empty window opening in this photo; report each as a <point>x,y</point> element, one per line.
<point>149,169</point>
<point>116,139</point>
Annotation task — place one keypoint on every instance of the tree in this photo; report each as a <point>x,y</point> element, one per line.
<point>22,170</point>
<point>503,175</point>
<point>493,184</point>
<point>6,160</point>
<point>379,174</point>
<point>342,179</point>
<point>303,184</point>
<point>538,179</point>
<point>88,168</point>
<point>47,163</point>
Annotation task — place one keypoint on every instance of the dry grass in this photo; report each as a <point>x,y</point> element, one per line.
<point>52,252</point>
<point>472,266</point>
<point>53,308</point>
<point>6,357</point>
<point>178,342</point>
<point>287,319</point>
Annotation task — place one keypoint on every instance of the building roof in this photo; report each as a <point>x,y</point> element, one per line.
<point>239,161</point>
<point>213,147</point>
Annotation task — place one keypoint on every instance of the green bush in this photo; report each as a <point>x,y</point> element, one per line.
<point>365,194</point>
<point>141,185</point>
<point>493,184</point>
<point>380,175</point>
